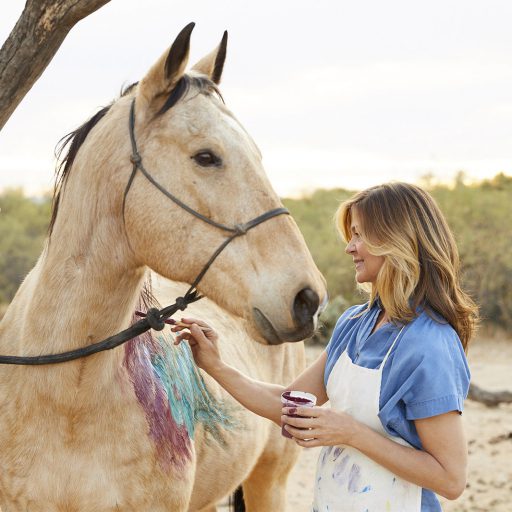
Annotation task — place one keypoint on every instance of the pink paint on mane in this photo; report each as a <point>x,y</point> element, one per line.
<point>172,441</point>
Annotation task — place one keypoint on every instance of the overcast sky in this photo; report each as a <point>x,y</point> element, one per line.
<point>334,92</point>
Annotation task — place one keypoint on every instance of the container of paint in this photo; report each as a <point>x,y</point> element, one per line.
<point>296,399</point>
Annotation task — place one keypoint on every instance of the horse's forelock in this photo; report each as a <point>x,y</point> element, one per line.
<point>201,83</point>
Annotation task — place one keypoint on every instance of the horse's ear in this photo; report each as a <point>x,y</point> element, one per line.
<point>166,72</point>
<point>213,63</point>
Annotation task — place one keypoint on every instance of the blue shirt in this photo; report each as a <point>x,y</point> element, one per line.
<point>425,375</point>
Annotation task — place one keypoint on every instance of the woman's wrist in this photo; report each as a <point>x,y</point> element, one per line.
<point>357,435</point>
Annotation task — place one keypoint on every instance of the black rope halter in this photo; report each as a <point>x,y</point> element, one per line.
<point>155,318</point>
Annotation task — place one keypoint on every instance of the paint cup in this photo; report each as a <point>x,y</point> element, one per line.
<point>296,399</point>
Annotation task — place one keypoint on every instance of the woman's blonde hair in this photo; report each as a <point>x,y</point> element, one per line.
<point>421,265</point>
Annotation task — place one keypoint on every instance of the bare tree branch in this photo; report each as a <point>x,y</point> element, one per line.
<point>35,39</point>
<point>489,398</point>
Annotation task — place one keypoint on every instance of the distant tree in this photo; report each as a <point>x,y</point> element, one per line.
<point>480,216</point>
<point>23,225</point>
<point>35,39</point>
<point>427,180</point>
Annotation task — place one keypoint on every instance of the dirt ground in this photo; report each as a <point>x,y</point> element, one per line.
<point>489,432</point>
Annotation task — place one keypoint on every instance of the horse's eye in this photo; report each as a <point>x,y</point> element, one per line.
<point>207,159</point>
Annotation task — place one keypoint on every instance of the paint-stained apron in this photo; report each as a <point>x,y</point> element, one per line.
<point>347,480</point>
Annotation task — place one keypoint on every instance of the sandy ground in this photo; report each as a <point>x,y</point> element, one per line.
<point>489,432</point>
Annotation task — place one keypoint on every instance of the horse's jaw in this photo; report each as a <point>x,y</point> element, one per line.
<point>272,337</point>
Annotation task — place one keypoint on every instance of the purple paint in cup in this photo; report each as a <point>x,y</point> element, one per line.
<point>296,399</point>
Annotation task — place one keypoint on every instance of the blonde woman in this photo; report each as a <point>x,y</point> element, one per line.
<point>395,370</point>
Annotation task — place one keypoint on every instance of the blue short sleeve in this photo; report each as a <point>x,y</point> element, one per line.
<point>430,370</point>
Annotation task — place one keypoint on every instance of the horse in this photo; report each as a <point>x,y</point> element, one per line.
<point>152,184</point>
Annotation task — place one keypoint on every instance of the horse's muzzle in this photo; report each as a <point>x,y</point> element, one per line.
<point>305,312</point>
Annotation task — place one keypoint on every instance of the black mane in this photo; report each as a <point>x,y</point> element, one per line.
<point>73,141</point>
<point>201,83</point>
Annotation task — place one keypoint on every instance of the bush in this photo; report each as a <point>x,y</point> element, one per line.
<point>328,320</point>
<point>23,224</point>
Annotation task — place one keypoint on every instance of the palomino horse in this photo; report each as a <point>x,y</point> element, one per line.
<point>137,428</point>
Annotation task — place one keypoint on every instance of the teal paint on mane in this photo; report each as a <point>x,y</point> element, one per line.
<point>190,401</point>
<point>174,397</point>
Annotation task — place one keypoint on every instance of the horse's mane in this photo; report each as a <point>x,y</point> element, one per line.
<point>73,141</point>
<point>68,147</point>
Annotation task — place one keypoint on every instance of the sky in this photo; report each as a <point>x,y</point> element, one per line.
<point>335,93</point>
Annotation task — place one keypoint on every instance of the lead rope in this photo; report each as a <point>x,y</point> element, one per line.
<point>155,318</point>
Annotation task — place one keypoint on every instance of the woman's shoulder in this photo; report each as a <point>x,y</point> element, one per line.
<point>430,336</point>
<point>429,321</point>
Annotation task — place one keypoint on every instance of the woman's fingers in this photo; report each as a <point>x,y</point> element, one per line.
<point>186,335</point>
<point>179,326</point>
<point>308,412</point>
<point>187,323</point>
<point>183,336</point>
<point>198,333</point>
<point>300,433</point>
<point>195,335</point>
<point>196,321</point>
<point>201,338</point>
<point>309,443</point>
<point>298,422</point>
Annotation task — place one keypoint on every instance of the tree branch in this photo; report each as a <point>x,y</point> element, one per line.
<point>35,39</point>
<point>489,398</point>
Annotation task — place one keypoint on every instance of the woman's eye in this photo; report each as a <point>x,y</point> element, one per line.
<point>207,159</point>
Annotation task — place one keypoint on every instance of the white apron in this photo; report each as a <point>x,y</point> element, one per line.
<point>346,480</point>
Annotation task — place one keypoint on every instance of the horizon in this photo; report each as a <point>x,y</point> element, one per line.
<point>428,182</point>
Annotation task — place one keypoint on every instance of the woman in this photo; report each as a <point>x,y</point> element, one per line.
<point>394,371</point>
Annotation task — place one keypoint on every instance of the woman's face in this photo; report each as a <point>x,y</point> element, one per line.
<point>367,265</point>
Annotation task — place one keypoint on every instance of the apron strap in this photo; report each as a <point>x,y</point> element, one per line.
<point>391,348</point>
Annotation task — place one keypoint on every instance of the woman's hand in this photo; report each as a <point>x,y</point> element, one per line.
<point>320,426</point>
<point>202,340</point>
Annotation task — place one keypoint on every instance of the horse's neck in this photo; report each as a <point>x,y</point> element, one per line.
<point>80,292</point>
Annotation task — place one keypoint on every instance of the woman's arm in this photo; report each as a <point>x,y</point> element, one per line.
<point>441,466</point>
<point>259,397</point>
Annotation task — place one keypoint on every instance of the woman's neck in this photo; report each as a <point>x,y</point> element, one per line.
<point>382,319</point>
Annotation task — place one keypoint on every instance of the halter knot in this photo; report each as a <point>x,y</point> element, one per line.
<point>154,320</point>
<point>181,303</point>
<point>136,159</point>
<point>240,229</point>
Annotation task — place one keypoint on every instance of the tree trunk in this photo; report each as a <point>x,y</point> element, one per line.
<point>33,42</point>
<point>489,398</point>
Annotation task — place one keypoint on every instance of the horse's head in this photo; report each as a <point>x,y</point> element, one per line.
<point>193,147</point>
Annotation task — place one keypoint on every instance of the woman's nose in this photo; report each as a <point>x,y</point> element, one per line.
<point>350,247</point>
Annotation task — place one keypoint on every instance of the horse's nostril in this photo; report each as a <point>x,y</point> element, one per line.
<point>305,306</point>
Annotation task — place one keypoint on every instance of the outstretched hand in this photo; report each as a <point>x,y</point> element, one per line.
<point>202,340</point>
